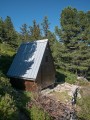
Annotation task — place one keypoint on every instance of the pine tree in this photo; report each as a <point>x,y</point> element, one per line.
<point>8,23</point>
<point>24,33</point>
<point>88,26</point>
<point>72,34</point>
<point>52,39</point>
<point>45,25</point>
<point>2,31</point>
<point>11,35</point>
<point>35,32</point>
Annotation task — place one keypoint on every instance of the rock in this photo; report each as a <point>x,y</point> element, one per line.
<point>68,89</point>
<point>81,78</point>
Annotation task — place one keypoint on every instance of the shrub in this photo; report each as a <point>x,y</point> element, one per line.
<point>8,111</point>
<point>5,86</point>
<point>71,78</point>
<point>38,114</point>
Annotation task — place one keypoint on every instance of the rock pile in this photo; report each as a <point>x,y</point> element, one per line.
<point>65,87</point>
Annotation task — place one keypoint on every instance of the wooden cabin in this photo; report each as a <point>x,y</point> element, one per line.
<point>32,67</point>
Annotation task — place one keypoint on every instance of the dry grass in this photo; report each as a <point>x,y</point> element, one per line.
<point>61,96</point>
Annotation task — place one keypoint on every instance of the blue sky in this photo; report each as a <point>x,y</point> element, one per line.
<point>25,11</point>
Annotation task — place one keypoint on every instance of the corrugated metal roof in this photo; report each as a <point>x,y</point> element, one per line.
<point>27,60</point>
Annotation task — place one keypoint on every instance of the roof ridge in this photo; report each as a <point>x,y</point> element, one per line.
<point>36,41</point>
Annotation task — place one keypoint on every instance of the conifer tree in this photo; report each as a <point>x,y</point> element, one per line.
<point>45,25</point>
<point>24,33</point>
<point>52,39</point>
<point>88,26</point>
<point>8,23</point>
<point>11,35</point>
<point>34,31</point>
<point>2,31</point>
<point>72,34</point>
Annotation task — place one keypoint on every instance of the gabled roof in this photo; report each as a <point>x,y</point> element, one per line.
<point>27,60</point>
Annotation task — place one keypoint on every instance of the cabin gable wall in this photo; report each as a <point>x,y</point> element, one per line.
<point>46,74</point>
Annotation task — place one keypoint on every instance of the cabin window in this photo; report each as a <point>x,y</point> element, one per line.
<point>46,59</point>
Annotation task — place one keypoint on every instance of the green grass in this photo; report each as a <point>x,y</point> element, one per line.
<point>66,76</point>
<point>84,103</point>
